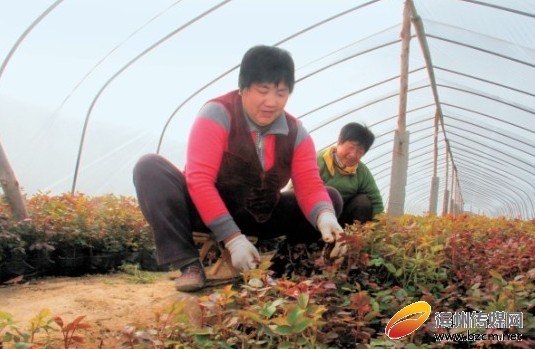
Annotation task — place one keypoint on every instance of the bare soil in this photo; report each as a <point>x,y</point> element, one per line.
<point>109,302</point>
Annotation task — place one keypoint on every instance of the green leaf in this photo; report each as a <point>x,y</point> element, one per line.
<point>295,314</point>
<point>301,325</point>
<point>21,345</point>
<point>376,262</point>
<point>303,299</point>
<point>390,267</point>
<point>284,330</point>
<point>268,310</point>
<point>399,272</point>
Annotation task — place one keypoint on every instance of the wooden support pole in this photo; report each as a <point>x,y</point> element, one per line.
<point>11,189</point>
<point>400,156</point>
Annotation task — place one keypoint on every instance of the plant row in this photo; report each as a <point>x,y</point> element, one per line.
<point>72,235</point>
<point>457,264</point>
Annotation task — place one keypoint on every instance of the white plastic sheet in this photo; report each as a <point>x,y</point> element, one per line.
<point>126,69</point>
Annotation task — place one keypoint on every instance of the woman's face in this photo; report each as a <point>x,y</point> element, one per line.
<point>350,152</point>
<point>265,102</point>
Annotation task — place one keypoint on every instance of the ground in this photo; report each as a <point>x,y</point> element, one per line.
<point>109,302</point>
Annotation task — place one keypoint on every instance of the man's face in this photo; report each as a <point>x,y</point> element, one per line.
<point>350,152</point>
<point>264,102</point>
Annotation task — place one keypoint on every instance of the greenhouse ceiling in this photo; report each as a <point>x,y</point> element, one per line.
<point>87,87</point>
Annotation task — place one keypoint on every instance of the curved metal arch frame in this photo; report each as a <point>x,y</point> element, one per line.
<point>431,67</point>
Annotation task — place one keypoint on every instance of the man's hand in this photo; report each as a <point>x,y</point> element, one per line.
<point>328,226</point>
<point>331,233</point>
<point>243,253</point>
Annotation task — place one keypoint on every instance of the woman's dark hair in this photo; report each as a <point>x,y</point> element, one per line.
<point>269,64</point>
<point>357,132</point>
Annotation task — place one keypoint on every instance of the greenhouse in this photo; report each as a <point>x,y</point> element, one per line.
<point>446,86</point>
<point>81,102</point>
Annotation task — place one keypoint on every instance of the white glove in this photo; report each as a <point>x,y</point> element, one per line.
<point>331,232</point>
<point>328,226</point>
<point>243,253</point>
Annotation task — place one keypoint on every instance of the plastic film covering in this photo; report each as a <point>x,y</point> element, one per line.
<point>88,87</point>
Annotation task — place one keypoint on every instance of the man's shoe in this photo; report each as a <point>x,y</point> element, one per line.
<point>192,278</point>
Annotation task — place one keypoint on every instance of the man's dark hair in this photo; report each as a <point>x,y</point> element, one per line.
<point>261,64</point>
<point>357,132</point>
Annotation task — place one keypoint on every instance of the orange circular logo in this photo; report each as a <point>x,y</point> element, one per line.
<point>408,320</point>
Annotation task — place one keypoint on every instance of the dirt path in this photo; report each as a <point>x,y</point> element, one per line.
<point>108,301</point>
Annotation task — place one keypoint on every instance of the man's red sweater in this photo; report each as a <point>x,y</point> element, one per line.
<point>207,142</point>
